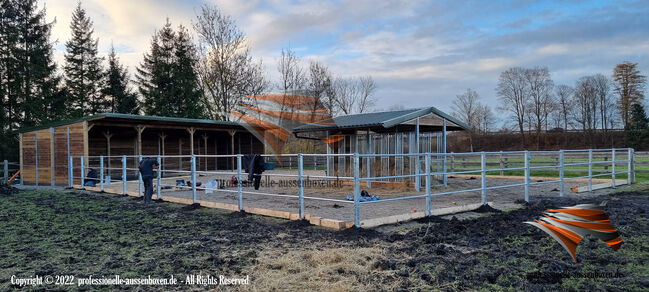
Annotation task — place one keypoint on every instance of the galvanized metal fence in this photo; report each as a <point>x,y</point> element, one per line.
<point>581,163</point>
<point>7,169</point>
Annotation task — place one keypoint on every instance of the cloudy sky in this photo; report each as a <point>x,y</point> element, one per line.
<point>419,52</point>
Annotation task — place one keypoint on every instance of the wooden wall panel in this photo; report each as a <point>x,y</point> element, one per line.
<point>123,142</point>
<point>45,154</point>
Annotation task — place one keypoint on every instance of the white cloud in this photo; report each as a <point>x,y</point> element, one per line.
<point>424,51</point>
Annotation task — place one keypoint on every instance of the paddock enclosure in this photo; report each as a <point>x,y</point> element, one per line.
<point>400,157</point>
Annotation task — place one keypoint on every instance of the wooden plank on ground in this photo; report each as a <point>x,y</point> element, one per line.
<point>369,223</point>
<point>583,189</point>
<point>268,212</point>
<point>217,205</point>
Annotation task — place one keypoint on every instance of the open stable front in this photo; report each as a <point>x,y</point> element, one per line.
<point>46,150</point>
<point>387,134</point>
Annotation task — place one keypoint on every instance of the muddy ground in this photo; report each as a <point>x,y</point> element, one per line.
<point>49,232</point>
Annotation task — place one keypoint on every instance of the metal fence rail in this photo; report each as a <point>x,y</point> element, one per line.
<point>7,169</point>
<point>583,164</point>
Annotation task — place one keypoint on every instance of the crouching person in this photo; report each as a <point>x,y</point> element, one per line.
<point>147,165</point>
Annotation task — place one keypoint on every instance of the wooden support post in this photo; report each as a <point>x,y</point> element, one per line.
<point>180,152</point>
<point>191,131</point>
<point>86,142</point>
<point>162,148</point>
<point>139,129</point>
<point>22,168</point>
<point>52,165</point>
<point>36,156</point>
<point>205,153</point>
<point>232,133</point>
<point>108,135</point>
<point>502,164</point>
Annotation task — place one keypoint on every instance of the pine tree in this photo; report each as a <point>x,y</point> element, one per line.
<point>83,72</point>
<point>637,130</point>
<point>29,91</point>
<point>186,95</point>
<point>154,74</point>
<point>167,80</point>
<point>116,90</point>
<point>29,79</point>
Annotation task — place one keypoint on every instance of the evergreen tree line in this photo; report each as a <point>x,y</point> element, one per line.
<point>178,76</point>
<point>35,91</point>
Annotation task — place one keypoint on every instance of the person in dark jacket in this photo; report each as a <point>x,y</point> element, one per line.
<point>254,166</point>
<point>147,165</point>
<point>91,178</point>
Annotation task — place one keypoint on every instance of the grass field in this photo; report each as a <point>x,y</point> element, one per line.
<point>48,232</point>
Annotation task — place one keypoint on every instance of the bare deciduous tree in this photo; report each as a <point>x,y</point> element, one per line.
<point>629,85</point>
<point>539,87</point>
<point>512,89</point>
<point>320,85</point>
<point>292,76</point>
<point>226,70</point>
<point>465,107</point>
<point>366,101</point>
<point>353,95</point>
<point>564,97</point>
<point>605,103</point>
<point>585,101</point>
<point>485,118</point>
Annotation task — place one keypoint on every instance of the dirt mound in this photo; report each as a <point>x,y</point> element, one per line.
<point>191,207</point>
<point>486,209</point>
<point>8,190</point>
<point>500,248</point>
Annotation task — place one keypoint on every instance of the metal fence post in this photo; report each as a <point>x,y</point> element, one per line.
<point>629,176</point>
<point>590,170</point>
<point>417,171</point>
<point>193,178</point>
<point>444,169</point>
<point>613,168</point>
<point>239,186</point>
<point>483,167</point>
<point>53,159</point>
<point>83,173</point>
<point>527,176</point>
<point>5,172</point>
<point>159,173</point>
<point>139,185</point>
<point>300,173</point>
<point>101,173</point>
<point>429,206</point>
<point>36,156</point>
<point>123,174</point>
<point>70,171</point>
<point>357,193</point>
<point>561,172</point>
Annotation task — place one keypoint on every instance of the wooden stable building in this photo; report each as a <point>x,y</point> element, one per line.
<point>45,150</point>
<point>421,130</point>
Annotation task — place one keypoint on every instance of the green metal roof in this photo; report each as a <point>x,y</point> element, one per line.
<point>128,117</point>
<point>383,119</point>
